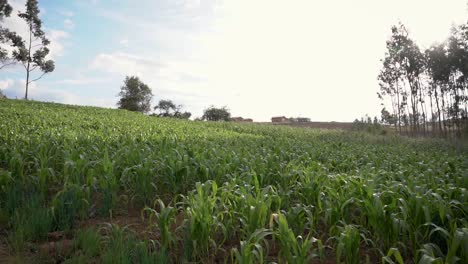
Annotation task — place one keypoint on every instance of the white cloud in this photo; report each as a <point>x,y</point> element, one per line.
<point>42,12</point>
<point>57,45</point>
<point>4,84</point>
<point>16,89</point>
<point>87,2</point>
<point>126,64</point>
<point>66,13</point>
<point>83,81</point>
<point>68,24</point>
<point>124,42</point>
<point>189,4</point>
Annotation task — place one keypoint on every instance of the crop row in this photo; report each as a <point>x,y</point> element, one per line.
<point>229,192</point>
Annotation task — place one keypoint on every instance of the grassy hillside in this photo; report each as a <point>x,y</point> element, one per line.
<point>84,184</point>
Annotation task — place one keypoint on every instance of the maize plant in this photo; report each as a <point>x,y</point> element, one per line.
<point>223,192</point>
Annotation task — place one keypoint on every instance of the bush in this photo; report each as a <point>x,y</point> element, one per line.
<point>369,127</point>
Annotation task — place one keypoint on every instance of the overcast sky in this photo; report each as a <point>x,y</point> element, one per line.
<point>260,58</point>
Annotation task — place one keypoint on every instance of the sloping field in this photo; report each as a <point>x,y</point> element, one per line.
<point>91,185</point>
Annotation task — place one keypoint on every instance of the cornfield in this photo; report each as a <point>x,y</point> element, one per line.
<point>205,192</point>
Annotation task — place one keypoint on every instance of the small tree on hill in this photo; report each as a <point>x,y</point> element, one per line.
<point>216,114</point>
<point>135,95</point>
<point>167,108</point>
<point>183,115</point>
<point>34,51</point>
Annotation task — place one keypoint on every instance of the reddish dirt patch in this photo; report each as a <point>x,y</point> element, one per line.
<point>133,221</point>
<point>5,254</point>
<point>57,250</point>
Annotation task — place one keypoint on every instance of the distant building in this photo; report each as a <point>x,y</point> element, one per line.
<point>279,119</point>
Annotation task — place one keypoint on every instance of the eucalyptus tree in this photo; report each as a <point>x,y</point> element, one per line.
<point>438,68</point>
<point>412,62</point>
<point>457,52</point>
<point>7,37</point>
<point>402,69</point>
<point>389,81</point>
<point>33,54</point>
<point>464,70</point>
<point>414,80</point>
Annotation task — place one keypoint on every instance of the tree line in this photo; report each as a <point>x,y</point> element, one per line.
<point>426,90</point>
<point>137,96</point>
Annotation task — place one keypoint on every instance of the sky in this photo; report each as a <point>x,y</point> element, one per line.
<point>260,58</point>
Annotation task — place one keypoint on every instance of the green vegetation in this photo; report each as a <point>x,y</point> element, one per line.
<point>213,113</point>
<point>220,191</point>
<point>425,90</point>
<point>135,95</point>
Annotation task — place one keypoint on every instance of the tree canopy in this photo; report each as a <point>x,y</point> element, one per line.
<point>5,9</point>
<point>167,108</point>
<point>216,114</point>
<point>8,37</point>
<point>135,95</point>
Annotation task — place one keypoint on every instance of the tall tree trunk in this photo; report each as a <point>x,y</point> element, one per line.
<point>449,117</point>
<point>465,118</point>
<point>431,118</point>
<point>419,91</point>
<point>409,121</point>
<point>413,105</point>
<point>444,116</point>
<point>398,108</point>
<point>27,83</point>
<point>427,118</point>
<point>29,62</point>
<point>414,117</point>
<point>438,108</point>
<point>456,106</point>
<point>393,109</point>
